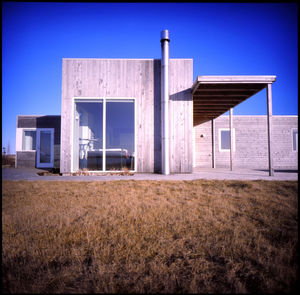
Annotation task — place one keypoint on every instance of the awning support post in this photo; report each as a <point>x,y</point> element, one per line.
<point>213,163</point>
<point>269,126</point>
<point>231,135</point>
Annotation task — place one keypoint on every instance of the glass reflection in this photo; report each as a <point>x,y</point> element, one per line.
<point>45,147</point>
<point>89,133</point>
<point>119,135</point>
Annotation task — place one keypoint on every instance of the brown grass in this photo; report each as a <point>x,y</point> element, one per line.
<point>150,236</point>
<point>8,160</point>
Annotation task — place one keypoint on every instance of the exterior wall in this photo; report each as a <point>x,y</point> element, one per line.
<point>284,156</point>
<point>181,115</point>
<point>203,145</point>
<point>28,158</point>
<point>141,79</point>
<point>25,159</point>
<point>251,145</point>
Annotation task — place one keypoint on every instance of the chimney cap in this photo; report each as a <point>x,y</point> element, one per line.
<point>164,35</point>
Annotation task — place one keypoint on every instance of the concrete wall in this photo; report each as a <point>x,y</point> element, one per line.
<point>28,158</point>
<point>141,79</point>
<point>250,142</point>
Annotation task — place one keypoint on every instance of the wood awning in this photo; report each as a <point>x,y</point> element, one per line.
<point>215,95</point>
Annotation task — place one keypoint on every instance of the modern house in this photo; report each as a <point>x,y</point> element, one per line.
<point>147,115</point>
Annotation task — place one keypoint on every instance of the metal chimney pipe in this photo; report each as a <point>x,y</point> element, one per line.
<point>164,39</point>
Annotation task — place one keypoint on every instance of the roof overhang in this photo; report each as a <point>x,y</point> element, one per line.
<point>215,95</point>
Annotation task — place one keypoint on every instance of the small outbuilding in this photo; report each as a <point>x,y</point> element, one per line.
<point>38,141</point>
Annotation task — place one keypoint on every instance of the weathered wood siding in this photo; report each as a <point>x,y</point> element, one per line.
<point>250,141</point>
<point>141,79</point>
<point>181,115</point>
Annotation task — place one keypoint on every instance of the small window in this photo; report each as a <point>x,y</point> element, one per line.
<point>295,140</point>
<point>29,140</point>
<point>224,139</point>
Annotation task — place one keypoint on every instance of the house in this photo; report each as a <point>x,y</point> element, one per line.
<point>147,115</point>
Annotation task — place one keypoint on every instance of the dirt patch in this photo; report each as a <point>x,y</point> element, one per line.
<point>50,172</point>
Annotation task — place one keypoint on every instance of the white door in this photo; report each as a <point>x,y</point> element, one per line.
<point>44,147</point>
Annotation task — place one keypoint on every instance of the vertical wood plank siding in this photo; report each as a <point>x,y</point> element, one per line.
<point>181,115</point>
<point>138,78</point>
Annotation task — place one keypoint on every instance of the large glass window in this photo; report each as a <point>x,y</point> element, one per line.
<point>88,135</point>
<point>98,119</point>
<point>29,140</point>
<point>119,134</point>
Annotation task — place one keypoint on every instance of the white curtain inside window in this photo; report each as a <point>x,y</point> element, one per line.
<point>29,140</point>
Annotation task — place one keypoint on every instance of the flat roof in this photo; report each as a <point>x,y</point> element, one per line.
<point>118,58</point>
<point>215,95</point>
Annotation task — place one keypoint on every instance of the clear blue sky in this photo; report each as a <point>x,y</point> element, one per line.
<point>222,38</point>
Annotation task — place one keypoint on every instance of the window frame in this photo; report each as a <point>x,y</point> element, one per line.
<point>296,143</point>
<point>104,100</point>
<point>23,138</point>
<point>38,150</point>
<point>220,138</point>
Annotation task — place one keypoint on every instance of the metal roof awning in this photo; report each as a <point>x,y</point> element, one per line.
<point>215,95</point>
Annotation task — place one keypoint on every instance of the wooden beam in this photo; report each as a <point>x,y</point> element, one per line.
<point>203,119</point>
<point>202,116</point>
<point>231,136</point>
<point>269,126</point>
<point>206,112</point>
<point>201,113</point>
<point>209,88</point>
<point>213,151</point>
<point>209,116</point>
<point>204,107</point>
<point>236,86</point>
<point>217,97</point>
<point>217,100</point>
<point>211,103</point>
<point>223,93</point>
<point>210,109</point>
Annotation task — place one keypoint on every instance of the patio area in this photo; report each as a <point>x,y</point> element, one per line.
<point>31,174</point>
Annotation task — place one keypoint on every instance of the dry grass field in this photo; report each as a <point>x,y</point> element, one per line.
<point>8,160</point>
<point>150,236</point>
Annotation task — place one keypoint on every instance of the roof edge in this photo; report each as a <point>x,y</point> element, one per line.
<point>237,79</point>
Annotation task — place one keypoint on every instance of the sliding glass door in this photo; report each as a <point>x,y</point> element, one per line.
<point>119,134</point>
<point>88,135</point>
<point>103,135</point>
